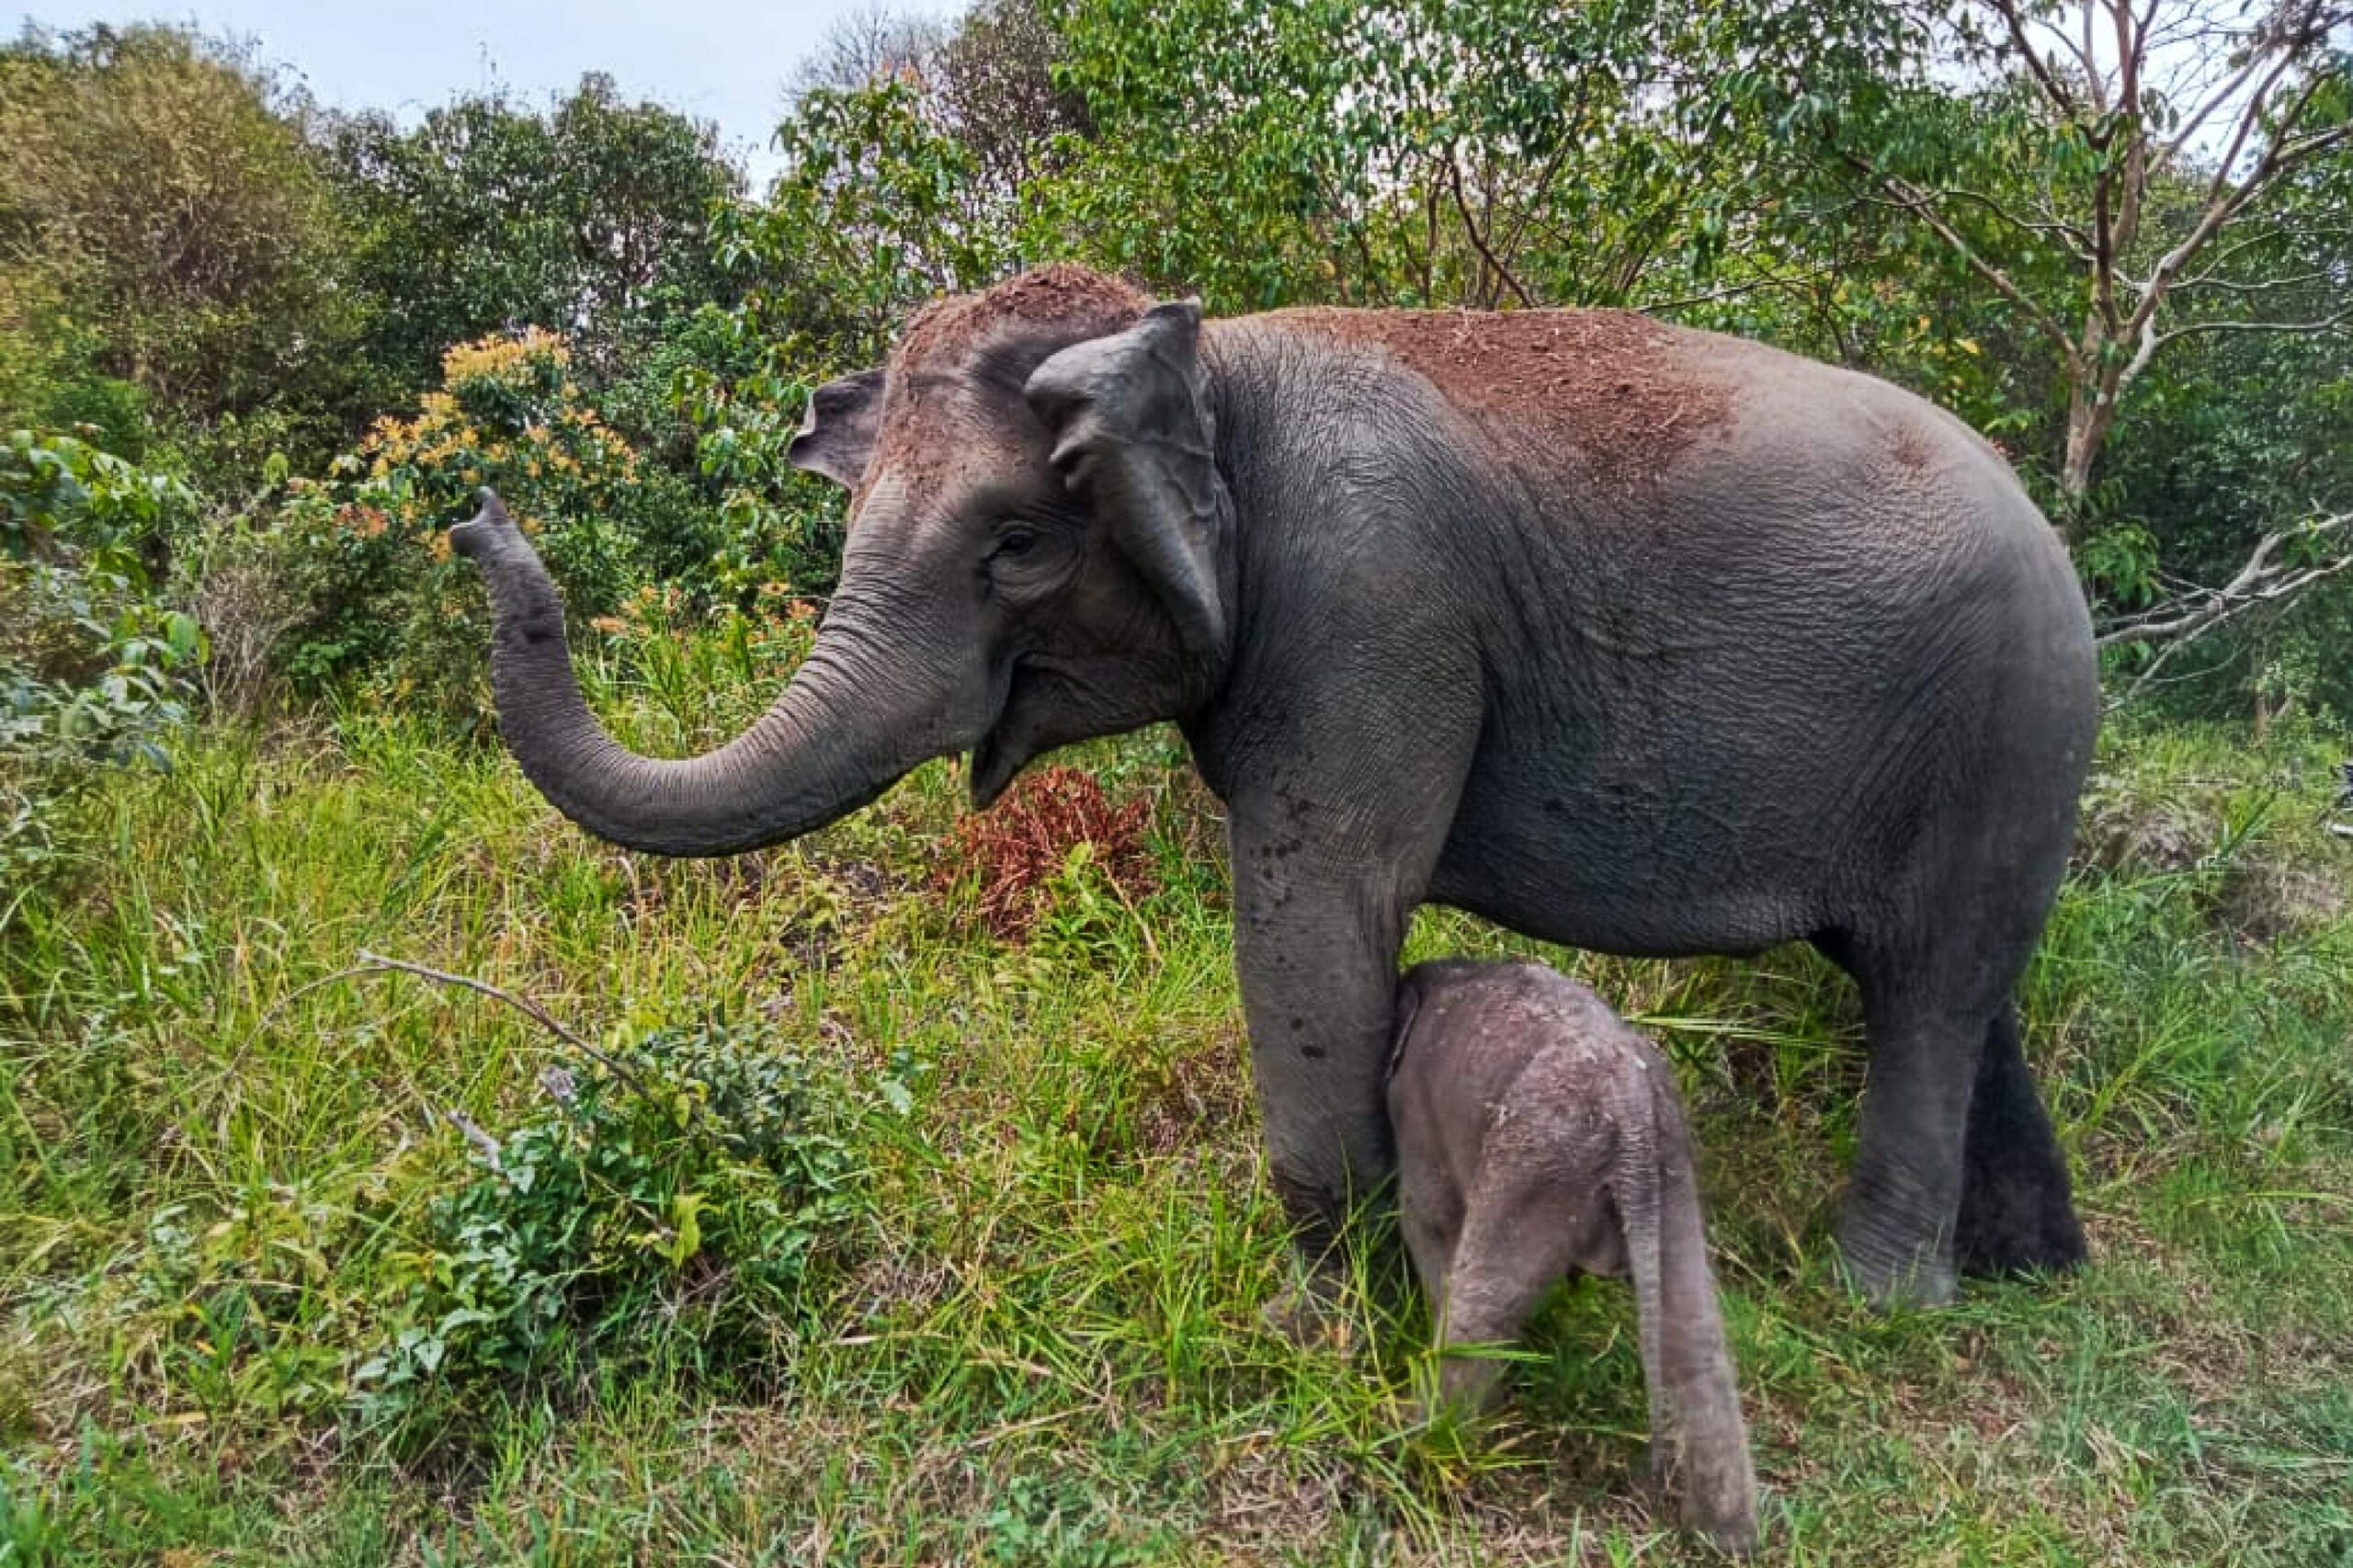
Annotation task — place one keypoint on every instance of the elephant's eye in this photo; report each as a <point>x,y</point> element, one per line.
<point>1030,559</point>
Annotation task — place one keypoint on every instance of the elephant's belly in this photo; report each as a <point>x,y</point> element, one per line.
<point>1636,872</point>
<point>1576,917</point>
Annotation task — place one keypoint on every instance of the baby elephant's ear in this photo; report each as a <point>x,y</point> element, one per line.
<point>836,436</point>
<point>1134,439</point>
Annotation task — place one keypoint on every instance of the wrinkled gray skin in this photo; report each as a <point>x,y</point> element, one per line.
<point>1668,645</point>
<point>1539,1138</point>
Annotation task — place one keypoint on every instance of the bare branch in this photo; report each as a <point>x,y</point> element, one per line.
<point>2254,285</point>
<point>2262,580</point>
<point>2196,121</point>
<point>2115,240</point>
<point>1471,227</point>
<point>1734,290</point>
<point>1525,211</point>
<point>2291,153</point>
<point>523,1005</point>
<point>2095,80</point>
<point>2200,328</point>
<point>2251,117</point>
<point>1922,205</point>
<point>2078,243</point>
<point>2052,88</point>
<point>2222,205</point>
<point>2182,631</point>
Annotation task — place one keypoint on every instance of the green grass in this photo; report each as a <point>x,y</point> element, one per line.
<point>1049,1348</point>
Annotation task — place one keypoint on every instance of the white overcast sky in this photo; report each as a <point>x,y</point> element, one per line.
<point>718,59</point>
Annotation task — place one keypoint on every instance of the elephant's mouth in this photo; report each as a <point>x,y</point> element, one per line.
<point>1006,743</point>
<point>1036,714</point>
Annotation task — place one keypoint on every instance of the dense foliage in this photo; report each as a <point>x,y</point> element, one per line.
<point>704,1177</point>
<point>94,666</point>
<point>168,241</point>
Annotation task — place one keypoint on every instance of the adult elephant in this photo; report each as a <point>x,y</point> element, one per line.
<point>1626,636</point>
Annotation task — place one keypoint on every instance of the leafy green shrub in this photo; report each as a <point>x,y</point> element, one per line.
<point>164,223</point>
<point>734,404</point>
<point>94,666</point>
<point>698,1189</point>
<point>64,500</point>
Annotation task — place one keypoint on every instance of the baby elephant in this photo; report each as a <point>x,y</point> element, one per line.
<point>1538,1137</point>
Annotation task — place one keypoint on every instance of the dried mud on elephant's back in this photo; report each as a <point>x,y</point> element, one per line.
<point>1614,386</point>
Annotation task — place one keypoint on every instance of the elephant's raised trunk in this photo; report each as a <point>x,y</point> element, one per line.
<point>830,743</point>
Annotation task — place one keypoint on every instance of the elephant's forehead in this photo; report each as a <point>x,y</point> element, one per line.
<point>939,440</point>
<point>947,332</point>
<point>953,408</point>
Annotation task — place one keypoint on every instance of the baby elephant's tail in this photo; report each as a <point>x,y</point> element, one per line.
<point>1698,1443</point>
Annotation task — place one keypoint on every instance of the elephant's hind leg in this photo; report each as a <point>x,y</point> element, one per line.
<point>2017,1213</point>
<point>1937,960</point>
<point>1896,1234</point>
<point>1499,1275</point>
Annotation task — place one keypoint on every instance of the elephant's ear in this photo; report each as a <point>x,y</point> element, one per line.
<point>1133,439</point>
<point>836,435</point>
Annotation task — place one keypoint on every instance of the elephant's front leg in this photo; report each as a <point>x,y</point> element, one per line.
<point>1315,942</point>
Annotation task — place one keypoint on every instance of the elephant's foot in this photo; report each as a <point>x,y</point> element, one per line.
<point>1312,1310</point>
<point>1733,1535</point>
<point>2017,1213</point>
<point>1888,1273</point>
<point>2015,1224</point>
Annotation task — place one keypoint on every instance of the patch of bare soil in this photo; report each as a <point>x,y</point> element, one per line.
<point>1198,1093</point>
<point>2270,895</point>
<point>2264,890</point>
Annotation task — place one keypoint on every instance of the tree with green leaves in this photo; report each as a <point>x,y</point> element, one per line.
<point>2128,176</point>
<point>592,219</point>
<point>167,241</point>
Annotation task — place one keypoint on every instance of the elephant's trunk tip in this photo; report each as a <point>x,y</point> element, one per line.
<point>472,538</point>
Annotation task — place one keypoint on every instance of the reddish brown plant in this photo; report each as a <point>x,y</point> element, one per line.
<point>1016,849</point>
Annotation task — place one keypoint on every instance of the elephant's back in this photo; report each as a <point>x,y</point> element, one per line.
<point>1622,397</point>
<point>1646,423</point>
<point>1653,460</point>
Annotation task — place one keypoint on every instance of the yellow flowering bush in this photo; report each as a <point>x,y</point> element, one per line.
<point>392,607</point>
<point>509,416</point>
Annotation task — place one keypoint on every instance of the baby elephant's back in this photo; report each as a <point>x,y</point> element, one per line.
<point>1521,1052</point>
<point>1476,1027</point>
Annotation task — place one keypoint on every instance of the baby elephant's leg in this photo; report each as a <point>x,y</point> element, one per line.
<point>1520,1236</point>
<point>1430,1215</point>
<point>1698,1443</point>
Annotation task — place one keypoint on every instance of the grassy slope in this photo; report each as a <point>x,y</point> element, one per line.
<point>1055,1353</point>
